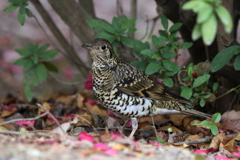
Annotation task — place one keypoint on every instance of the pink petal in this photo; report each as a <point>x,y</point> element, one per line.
<point>25,123</point>
<point>236,154</point>
<point>116,134</point>
<point>159,80</point>
<point>110,113</point>
<point>68,73</point>
<point>7,108</point>
<point>200,151</point>
<point>221,131</point>
<point>221,157</point>
<point>89,77</point>
<point>100,146</point>
<point>111,152</point>
<point>155,143</point>
<point>85,136</point>
<point>136,144</point>
<point>88,85</point>
<point>91,101</point>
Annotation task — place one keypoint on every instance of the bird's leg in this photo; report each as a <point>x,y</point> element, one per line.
<point>121,129</point>
<point>155,130</point>
<point>134,126</point>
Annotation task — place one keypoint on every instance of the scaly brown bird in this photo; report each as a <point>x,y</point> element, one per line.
<point>127,91</point>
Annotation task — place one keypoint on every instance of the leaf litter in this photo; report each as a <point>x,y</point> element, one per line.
<point>77,127</point>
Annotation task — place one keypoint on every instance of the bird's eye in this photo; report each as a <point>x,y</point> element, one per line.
<point>103,47</point>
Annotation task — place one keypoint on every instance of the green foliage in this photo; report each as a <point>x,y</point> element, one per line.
<point>115,32</point>
<point>197,89</point>
<point>166,45</point>
<point>208,11</point>
<point>35,62</point>
<point>22,12</point>
<point>215,119</point>
<point>223,57</point>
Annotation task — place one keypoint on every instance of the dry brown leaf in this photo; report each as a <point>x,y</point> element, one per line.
<point>231,120</point>
<point>177,119</point>
<point>217,140</point>
<point>158,119</point>
<point>95,109</point>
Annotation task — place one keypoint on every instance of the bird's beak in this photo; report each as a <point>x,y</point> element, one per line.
<point>87,46</point>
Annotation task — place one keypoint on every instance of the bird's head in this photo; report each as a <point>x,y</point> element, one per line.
<point>100,50</point>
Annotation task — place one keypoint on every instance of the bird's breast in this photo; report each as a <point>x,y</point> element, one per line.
<point>123,104</point>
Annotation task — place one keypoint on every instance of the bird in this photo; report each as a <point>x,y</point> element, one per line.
<point>129,93</point>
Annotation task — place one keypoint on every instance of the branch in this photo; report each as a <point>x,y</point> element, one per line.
<point>62,40</point>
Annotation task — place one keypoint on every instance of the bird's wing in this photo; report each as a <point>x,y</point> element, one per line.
<point>132,81</point>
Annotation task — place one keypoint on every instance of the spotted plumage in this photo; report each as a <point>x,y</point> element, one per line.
<point>127,91</point>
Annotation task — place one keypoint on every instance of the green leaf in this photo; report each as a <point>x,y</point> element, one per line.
<point>209,29</point>
<point>163,33</point>
<point>92,23</point>
<point>196,33</point>
<point>103,34</point>
<point>215,86</point>
<point>158,40</point>
<point>50,67</point>
<point>28,92</point>
<point>200,80</point>
<point>29,12</point>
<point>237,62</point>
<point>41,72</point>
<point>196,6</point>
<point>48,56</point>
<point>41,49</point>
<point>190,72</point>
<point>127,41</point>
<point>205,123</point>
<point>222,58</point>
<point>160,138</point>
<point>214,129</point>
<point>28,64</point>
<point>164,21</point>
<point>156,56</point>
<point>202,102</point>
<point>140,64</point>
<point>17,1</point>
<point>175,27</point>
<point>225,18</point>
<point>168,82</point>
<point>23,52</point>
<point>22,9</point>
<point>204,15</point>
<point>153,67</point>
<point>169,65</point>
<point>128,23</point>
<point>186,45</point>
<point>11,8</point>
<point>216,117</point>
<point>21,61</point>
<point>186,92</point>
<point>148,52</point>
<point>35,58</point>
<point>131,30</point>
<point>21,18</point>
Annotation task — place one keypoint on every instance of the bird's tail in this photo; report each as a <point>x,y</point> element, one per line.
<point>196,113</point>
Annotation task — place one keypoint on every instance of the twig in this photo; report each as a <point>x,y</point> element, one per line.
<point>50,114</point>
<point>153,25</point>
<point>88,123</point>
<point>146,29</point>
<point>119,7</point>
<point>19,133</point>
<point>203,140</point>
<point>233,89</point>
<point>61,39</point>
<point>133,14</point>
<point>66,83</point>
<point>155,130</point>
<point>24,119</point>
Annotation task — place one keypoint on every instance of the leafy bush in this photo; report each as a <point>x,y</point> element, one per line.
<point>35,62</point>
